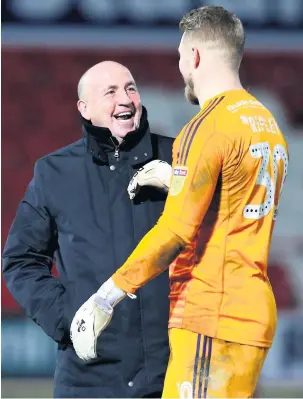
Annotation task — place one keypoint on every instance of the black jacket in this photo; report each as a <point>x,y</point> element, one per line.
<point>77,210</point>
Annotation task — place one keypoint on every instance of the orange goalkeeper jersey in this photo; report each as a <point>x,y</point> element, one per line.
<point>229,165</point>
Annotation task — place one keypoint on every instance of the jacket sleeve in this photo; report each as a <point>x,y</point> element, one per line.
<point>191,192</point>
<point>28,260</point>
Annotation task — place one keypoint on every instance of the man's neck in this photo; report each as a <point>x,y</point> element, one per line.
<point>119,139</point>
<point>216,86</point>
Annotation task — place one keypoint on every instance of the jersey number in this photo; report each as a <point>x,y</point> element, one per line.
<point>262,150</point>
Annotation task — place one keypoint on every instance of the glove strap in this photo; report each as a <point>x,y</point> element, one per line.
<point>111,293</point>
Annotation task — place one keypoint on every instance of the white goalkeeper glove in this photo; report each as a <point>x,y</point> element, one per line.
<point>155,174</point>
<point>93,317</point>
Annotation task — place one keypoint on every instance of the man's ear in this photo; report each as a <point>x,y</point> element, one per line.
<point>196,57</point>
<point>82,107</point>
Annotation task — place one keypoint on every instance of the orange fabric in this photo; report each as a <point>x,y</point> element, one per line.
<point>204,367</point>
<point>229,164</point>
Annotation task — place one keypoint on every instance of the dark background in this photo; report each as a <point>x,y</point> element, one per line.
<point>48,45</point>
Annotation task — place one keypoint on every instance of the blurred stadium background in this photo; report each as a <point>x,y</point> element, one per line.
<point>47,45</point>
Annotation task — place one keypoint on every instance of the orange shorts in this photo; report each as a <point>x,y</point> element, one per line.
<point>204,367</point>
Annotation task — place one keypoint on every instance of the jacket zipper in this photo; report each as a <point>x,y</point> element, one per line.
<point>117,150</point>
<point>116,153</point>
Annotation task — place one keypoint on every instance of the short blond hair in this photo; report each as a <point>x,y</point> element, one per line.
<point>218,25</point>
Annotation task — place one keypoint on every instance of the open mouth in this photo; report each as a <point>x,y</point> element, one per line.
<point>124,116</point>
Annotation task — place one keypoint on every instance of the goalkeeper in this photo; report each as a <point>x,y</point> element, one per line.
<point>79,209</point>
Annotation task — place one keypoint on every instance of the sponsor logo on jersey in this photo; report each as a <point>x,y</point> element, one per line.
<point>179,171</point>
<point>179,175</point>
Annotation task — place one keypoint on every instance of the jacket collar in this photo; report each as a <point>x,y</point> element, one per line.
<point>136,148</point>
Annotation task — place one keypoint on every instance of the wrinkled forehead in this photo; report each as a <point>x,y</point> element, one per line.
<point>115,77</point>
<point>100,81</point>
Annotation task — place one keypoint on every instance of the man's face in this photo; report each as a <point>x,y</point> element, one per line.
<point>112,101</point>
<point>186,67</point>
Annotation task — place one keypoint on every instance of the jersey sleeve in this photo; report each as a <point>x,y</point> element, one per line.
<point>191,191</point>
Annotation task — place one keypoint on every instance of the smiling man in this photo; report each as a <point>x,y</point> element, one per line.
<point>108,97</point>
<point>81,209</point>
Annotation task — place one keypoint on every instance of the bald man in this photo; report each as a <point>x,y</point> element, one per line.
<point>81,210</point>
<point>108,97</point>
